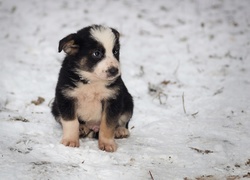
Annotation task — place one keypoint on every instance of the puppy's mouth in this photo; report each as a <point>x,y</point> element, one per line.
<point>109,75</point>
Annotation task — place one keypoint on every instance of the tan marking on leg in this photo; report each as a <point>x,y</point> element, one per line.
<point>124,119</point>
<point>106,136</point>
<point>70,133</point>
<point>121,132</point>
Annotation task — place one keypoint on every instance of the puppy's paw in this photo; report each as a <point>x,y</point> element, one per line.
<point>121,132</point>
<point>84,131</point>
<point>70,142</point>
<point>70,133</point>
<point>108,145</point>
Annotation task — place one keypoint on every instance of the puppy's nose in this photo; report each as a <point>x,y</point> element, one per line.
<point>112,71</point>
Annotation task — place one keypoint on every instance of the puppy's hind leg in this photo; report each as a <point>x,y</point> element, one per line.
<point>122,130</point>
<point>84,131</point>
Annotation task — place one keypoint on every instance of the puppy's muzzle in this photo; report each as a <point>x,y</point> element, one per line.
<point>112,71</point>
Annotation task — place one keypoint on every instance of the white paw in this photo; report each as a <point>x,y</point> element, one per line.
<point>70,142</point>
<point>108,145</point>
<point>121,132</point>
<point>70,133</point>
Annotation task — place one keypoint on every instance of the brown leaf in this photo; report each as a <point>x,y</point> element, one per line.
<point>165,82</point>
<point>39,101</point>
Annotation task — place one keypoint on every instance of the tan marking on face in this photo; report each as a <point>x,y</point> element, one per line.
<point>70,133</point>
<point>106,37</point>
<point>83,62</point>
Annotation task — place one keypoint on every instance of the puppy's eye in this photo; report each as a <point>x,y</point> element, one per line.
<point>97,54</point>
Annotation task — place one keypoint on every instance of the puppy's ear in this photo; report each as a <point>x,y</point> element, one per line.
<point>117,34</point>
<point>69,44</point>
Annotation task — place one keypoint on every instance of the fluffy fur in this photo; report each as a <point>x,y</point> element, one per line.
<point>91,98</point>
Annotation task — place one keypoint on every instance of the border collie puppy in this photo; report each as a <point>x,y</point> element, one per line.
<point>91,98</point>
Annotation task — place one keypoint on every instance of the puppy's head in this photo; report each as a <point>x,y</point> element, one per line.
<point>95,52</point>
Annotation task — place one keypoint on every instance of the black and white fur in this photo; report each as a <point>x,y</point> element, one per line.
<point>90,94</point>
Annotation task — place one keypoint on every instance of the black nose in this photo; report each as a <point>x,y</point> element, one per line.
<point>112,71</point>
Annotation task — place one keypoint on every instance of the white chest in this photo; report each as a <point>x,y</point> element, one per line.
<point>89,100</point>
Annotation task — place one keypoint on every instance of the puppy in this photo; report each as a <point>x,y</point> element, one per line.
<point>91,97</point>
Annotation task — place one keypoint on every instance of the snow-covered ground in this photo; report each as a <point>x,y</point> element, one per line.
<point>186,63</point>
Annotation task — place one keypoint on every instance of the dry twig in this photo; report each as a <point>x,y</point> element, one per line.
<point>202,151</point>
<point>183,103</point>
<point>157,92</point>
<point>194,114</point>
<point>151,175</point>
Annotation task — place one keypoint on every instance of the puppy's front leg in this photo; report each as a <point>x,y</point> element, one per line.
<point>106,136</point>
<point>70,133</point>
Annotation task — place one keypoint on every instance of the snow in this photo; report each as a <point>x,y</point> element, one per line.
<point>175,55</point>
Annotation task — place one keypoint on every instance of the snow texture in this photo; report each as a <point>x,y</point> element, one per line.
<point>186,63</point>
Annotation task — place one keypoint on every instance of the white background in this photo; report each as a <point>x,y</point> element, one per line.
<point>191,50</point>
